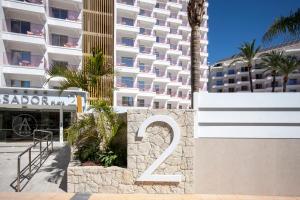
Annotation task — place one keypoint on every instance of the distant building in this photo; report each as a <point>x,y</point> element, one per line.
<point>223,78</point>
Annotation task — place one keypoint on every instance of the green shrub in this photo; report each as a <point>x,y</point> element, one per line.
<point>93,136</point>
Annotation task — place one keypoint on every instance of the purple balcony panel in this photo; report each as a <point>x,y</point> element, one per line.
<point>23,59</point>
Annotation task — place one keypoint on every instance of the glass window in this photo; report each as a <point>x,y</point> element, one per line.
<point>169,91</point>
<point>18,26</point>
<point>127,81</point>
<point>156,88</point>
<point>180,106</point>
<point>244,88</point>
<point>219,82</point>
<point>231,71</point>
<point>244,78</point>
<point>59,13</point>
<point>292,82</point>
<point>258,76</point>
<point>219,74</point>
<point>156,71</point>
<point>15,83</point>
<point>60,63</point>
<point>156,104</point>
<point>141,102</point>
<point>59,40</point>
<point>169,106</point>
<point>127,101</point>
<point>25,84</point>
<point>141,85</point>
<point>180,93</point>
<point>127,41</point>
<point>127,61</point>
<point>258,86</point>
<point>230,89</point>
<point>20,57</point>
<point>127,21</point>
<point>231,80</point>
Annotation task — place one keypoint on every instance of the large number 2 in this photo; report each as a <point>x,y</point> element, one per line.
<point>147,176</point>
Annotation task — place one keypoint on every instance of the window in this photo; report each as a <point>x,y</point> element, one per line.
<point>18,26</point>
<point>231,71</point>
<point>127,101</point>
<point>292,82</point>
<point>219,74</point>
<point>59,13</point>
<point>169,106</point>
<point>180,106</point>
<point>244,88</point>
<point>127,41</point>
<point>18,83</point>
<point>156,88</point>
<point>258,76</point>
<point>219,82</point>
<point>22,58</point>
<point>141,85</point>
<point>293,90</point>
<point>127,81</point>
<point>127,61</point>
<point>180,78</point>
<point>60,63</point>
<point>59,40</point>
<point>156,71</point>
<point>169,91</point>
<point>127,21</point>
<point>244,78</point>
<point>141,102</point>
<point>230,89</point>
<point>244,69</point>
<point>219,90</point>
<point>156,104</point>
<point>231,80</point>
<point>180,94</point>
<point>258,86</point>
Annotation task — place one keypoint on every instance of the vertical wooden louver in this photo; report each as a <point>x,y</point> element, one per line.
<point>98,32</point>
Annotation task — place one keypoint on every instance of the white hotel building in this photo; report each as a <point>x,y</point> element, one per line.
<point>223,78</point>
<point>151,56</point>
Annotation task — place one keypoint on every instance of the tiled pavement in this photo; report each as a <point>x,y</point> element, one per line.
<point>70,196</point>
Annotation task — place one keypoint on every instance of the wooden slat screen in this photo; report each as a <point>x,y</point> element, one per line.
<point>98,32</point>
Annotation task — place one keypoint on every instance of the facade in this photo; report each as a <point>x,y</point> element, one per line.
<point>152,47</point>
<point>235,78</point>
<point>34,35</point>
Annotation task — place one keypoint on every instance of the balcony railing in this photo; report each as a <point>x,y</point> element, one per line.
<point>144,87</point>
<point>145,50</point>
<point>160,40</point>
<point>125,103</point>
<point>173,78</point>
<point>173,15</point>
<point>72,15</point>
<point>125,84</point>
<point>159,73</point>
<point>173,31</point>
<point>173,46</point>
<point>145,68</point>
<point>146,13</point>
<point>127,2</point>
<point>32,1</point>
<point>158,91</point>
<point>160,57</point>
<point>71,43</point>
<point>160,22</point>
<point>126,22</point>
<point>23,60</point>
<point>32,30</point>
<point>145,31</point>
<point>160,5</point>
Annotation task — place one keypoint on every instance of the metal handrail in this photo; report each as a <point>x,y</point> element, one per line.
<point>40,155</point>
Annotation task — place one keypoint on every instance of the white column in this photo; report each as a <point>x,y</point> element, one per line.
<point>61,124</point>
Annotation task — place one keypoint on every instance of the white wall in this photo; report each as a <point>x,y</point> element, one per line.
<point>247,115</point>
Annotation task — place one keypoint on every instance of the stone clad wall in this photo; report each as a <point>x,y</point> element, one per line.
<point>141,154</point>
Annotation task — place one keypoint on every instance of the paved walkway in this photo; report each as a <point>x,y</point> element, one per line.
<point>70,196</point>
<point>51,177</point>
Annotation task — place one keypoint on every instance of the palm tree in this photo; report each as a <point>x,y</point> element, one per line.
<point>284,25</point>
<point>85,79</point>
<point>271,61</point>
<point>196,10</point>
<point>247,54</point>
<point>287,66</point>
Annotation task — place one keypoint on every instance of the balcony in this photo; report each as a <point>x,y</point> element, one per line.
<point>124,68</point>
<point>174,5</point>
<point>17,63</point>
<point>145,16</point>
<point>146,35</point>
<point>144,87</point>
<point>127,47</point>
<point>71,19</point>
<point>65,46</point>
<point>127,6</point>
<point>145,53</point>
<point>30,33</point>
<point>127,27</point>
<point>35,6</point>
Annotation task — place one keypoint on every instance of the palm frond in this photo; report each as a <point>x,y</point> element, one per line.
<point>284,25</point>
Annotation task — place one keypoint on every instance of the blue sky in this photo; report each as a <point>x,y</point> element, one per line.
<point>232,22</point>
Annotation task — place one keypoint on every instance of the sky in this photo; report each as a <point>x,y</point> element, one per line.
<point>232,22</point>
